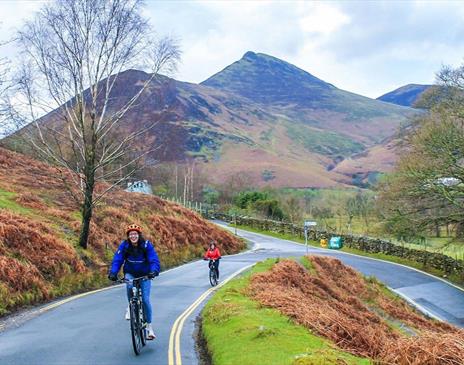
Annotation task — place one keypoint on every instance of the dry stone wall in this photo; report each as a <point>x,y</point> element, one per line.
<point>438,261</point>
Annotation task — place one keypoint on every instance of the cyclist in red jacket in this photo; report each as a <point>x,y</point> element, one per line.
<point>213,255</point>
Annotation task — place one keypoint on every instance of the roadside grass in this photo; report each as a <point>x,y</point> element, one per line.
<point>238,330</point>
<point>308,265</point>
<point>453,278</point>
<point>73,284</point>
<point>350,310</point>
<point>65,285</point>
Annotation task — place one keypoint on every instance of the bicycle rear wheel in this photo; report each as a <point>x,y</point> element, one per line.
<point>212,276</point>
<point>136,329</point>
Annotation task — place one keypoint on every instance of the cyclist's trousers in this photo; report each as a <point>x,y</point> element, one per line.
<point>216,266</point>
<point>146,286</point>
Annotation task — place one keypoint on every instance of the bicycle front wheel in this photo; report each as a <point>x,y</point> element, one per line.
<point>136,328</point>
<point>212,277</point>
<point>143,326</point>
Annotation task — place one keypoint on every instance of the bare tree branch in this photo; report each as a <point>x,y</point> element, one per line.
<point>74,53</point>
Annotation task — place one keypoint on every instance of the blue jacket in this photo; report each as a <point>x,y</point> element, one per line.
<point>144,261</point>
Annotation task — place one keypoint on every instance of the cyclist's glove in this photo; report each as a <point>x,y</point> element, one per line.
<point>112,277</point>
<point>153,274</point>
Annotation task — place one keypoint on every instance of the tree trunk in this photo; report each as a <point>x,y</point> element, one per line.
<point>191,181</point>
<point>185,187</point>
<point>87,207</point>
<point>86,218</point>
<point>176,181</point>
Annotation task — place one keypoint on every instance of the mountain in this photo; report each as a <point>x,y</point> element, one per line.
<point>268,80</point>
<point>260,116</point>
<point>298,96</point>
<point>406,95</point>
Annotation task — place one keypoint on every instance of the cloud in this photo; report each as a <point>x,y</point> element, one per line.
<point>393,28</point>
<point>389,44</point>
<point>14,14</point>
<point>215,34</point>
<point>368,47</point>
<point>365,47</point>
<point>323,18</point>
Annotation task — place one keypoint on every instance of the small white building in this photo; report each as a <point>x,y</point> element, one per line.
<point>448,181</point>
<point>139,187</point>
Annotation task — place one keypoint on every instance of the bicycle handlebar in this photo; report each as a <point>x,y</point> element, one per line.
<point>124,280</point>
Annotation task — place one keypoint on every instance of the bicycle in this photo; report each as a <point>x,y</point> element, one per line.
<point>138,322</point>
<point>213,276</point>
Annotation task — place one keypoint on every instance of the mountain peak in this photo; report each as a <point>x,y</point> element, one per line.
<point>267,79</point>
<point>250,55</point>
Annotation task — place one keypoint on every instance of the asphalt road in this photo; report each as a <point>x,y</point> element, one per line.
<point>92,329</point>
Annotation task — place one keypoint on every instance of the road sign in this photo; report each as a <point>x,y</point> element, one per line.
<point>308,224</point>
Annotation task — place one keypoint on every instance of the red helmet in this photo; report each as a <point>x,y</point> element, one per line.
<point>133,227</point>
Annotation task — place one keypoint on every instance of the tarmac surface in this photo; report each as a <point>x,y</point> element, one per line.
<point>91,329</point>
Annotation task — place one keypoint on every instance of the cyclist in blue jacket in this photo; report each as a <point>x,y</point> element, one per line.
<point>139,258</point>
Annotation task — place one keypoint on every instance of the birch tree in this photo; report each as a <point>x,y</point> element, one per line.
<point>74,52</point>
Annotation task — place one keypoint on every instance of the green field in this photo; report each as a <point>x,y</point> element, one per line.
<point>371,225</point>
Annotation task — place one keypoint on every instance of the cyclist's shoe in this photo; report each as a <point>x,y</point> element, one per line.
<point>127,316</point>
<point>150,333</point>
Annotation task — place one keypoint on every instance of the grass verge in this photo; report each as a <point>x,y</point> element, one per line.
<point>238,330</point>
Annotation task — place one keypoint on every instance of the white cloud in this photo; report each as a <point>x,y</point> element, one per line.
<point>323,18</point>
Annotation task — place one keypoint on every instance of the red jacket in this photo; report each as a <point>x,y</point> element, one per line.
<point>213,255</point>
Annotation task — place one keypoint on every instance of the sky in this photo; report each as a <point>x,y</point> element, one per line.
<point>366,47</point>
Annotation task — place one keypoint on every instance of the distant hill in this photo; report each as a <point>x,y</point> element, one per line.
<point>406,95</point>
<point>261,116</point>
